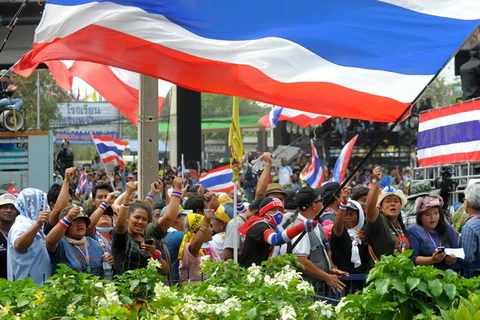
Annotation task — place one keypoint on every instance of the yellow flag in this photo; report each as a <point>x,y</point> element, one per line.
<point>85,97</point>
<point>235,142</point>
<point>94,96</point>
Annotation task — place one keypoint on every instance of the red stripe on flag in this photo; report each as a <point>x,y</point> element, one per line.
<point>208,75</point>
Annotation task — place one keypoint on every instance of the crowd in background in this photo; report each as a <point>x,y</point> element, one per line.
<point>105,229</point>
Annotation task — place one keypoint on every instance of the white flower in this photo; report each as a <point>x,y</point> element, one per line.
<point>203,260</point>
<point>154,264</point>
<point>221,292</point>
<point>233,303</point>
<point>163,291</point>
<point>322,308</point>
<point>70,309</point>
<point>288,313</point>
<point>305,287</point>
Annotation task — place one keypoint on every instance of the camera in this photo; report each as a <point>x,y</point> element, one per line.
<point>445,184</point>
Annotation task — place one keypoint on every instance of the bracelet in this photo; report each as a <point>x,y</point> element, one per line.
<point>177,193</point>
<point>202,229</point>
<point>157,255</point>
<point>374,181</point>
<point>123,205</point>
<point>150,196</point>
<point>343,206</point>
<point>64,223</point>
<point>103,205</point>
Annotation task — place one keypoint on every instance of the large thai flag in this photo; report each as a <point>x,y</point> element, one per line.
<point>218,180</point>
<point>362,59</point>
<point>110,149</point>
<point>449,135</point>
<point>314,176</point>
<point>300,118</point>
<point>343,159</point>
<point>119,87</point>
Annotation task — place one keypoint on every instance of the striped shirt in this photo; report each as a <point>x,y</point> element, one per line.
<point>470,239</point>
<point>128,253</point>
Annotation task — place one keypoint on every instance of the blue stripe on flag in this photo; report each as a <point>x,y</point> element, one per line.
<point>103,148</point>
<point>382,36</point>
<point>208,182</point>
<point>455,133</point>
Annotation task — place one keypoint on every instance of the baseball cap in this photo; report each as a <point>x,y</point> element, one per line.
<point>328,189</point>
<point>7,198</point>
<point>81,215</point>
<point>306,196</point>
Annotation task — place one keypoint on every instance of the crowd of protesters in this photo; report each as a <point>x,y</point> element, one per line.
<point>103,228</point>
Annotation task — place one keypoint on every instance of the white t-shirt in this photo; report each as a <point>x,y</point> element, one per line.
<point>284,175</point>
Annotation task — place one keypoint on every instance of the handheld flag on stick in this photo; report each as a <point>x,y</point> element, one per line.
<point>342,161</point>
<point>235,142</point>
<point>314,175</point>
<point>110,149</point>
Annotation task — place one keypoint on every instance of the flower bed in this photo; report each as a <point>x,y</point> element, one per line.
<point>397,290</point>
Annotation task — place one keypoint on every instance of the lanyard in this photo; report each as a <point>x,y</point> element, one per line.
<point>104,243</point>
<point>85,256</point>
<point>434,244</point>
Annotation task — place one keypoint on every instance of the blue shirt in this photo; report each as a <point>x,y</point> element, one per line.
<point>34,263</point>
<point>173,240</point>
<point>470,239</point>
<point>424,243</point>
<point>77,259</point>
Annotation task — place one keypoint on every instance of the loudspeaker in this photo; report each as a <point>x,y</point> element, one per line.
<point>11,120</point>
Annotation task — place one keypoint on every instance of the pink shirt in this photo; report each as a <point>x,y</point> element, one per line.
<point>190,265</point>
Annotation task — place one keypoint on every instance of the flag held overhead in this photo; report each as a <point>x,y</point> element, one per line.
<point>350,58</point>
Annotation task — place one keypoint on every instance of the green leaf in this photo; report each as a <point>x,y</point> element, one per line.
<point>450,290</point>
<point>252,313</point>
<point>435,287</point>
<point>476,316</point>
<point>462,314</point>
<point>412,282</point>
<point>382,285</point>
<point>447,314</point>
<point>399,285</point>
<point>134,284</point>
<point>22,302</point>
<point>423,287</point>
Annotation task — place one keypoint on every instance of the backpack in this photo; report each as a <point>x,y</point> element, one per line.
<point>251,178</point>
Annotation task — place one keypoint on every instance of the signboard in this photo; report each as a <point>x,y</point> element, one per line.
<point>78,119</point>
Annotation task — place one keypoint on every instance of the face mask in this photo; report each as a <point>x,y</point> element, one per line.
<point>104,229</point>
<point>275,219</point>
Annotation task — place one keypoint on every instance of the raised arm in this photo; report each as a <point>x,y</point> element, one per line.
<point>263,180</point>
<point>203,234</point>
<point>98,213</point>
<point>155,188</point>
<point>372,197</point>
<point>171,213</point>
<point>121,226</point>
<point>339,223</point>
<point>23,242</point>
<point>62,201</point>
<point>56,234</point>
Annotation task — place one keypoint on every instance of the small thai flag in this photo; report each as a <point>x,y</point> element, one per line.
<point>218,180</point>
<point>110,149</point>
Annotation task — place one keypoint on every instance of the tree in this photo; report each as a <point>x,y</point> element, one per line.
<point>442,93</point>
<point>50,95</point>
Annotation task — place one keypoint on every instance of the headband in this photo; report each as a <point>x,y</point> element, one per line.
<point>272,204</point>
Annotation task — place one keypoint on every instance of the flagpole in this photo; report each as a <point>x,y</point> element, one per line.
<point>382,138</point>
<point>235,224</point>
<point>104,165</point>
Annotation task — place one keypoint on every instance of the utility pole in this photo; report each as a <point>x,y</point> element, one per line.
<point>147,134</point>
